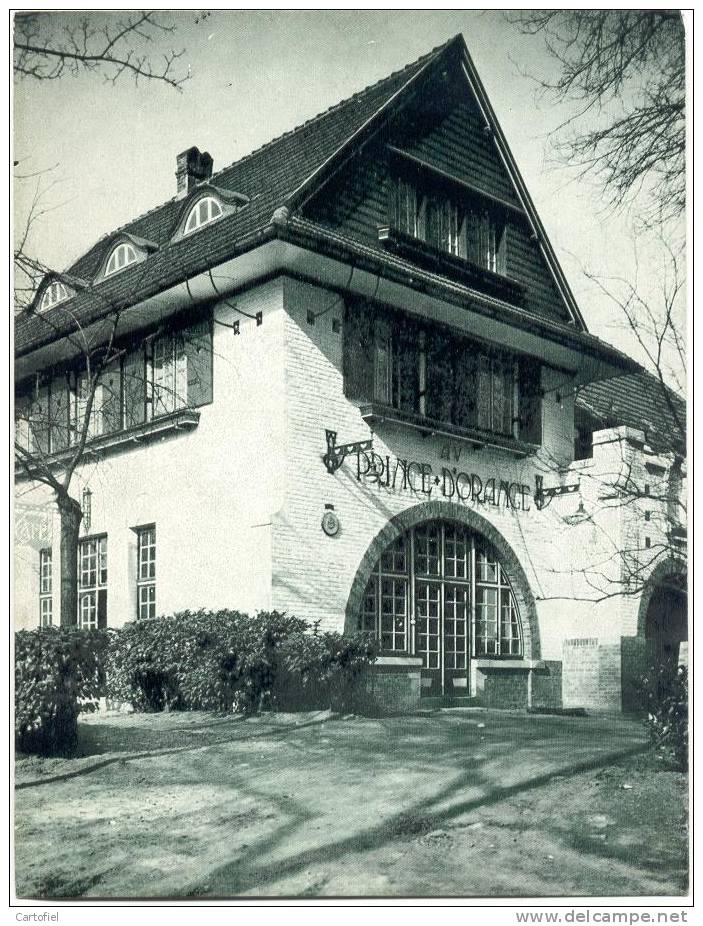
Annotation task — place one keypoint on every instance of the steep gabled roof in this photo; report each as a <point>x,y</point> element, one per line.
<point>281,173</point>
<point>640,401</point>
<point>268,176</point>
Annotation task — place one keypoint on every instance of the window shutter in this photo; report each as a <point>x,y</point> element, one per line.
<point>59,414</point>
<point>111,398</point>
<point>134,376</point>
<point>440,383</point>
<point>39,422</point>
<point>530,401</point>
<point>382,361</point>
<point>102,608</point>
<point>198,349</point>
<point>358,351</point>
<point>483,394</point>
<point>465,387</point>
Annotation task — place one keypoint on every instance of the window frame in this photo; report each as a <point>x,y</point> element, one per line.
<point>434,374</point>
<point>46,586</point>
<point>146,583</point>
<point>388,568</point>
<point>194,213</point>
<point>450,221</point>
<point>127,248</point>
<point>89,593</point>
<point>40,430</point>
<point>49,298</point>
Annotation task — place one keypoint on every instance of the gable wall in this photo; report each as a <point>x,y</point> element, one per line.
<point>355,202</point>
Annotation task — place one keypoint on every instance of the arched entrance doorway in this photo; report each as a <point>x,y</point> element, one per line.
<point>445,590</point>
<point>666,623</point>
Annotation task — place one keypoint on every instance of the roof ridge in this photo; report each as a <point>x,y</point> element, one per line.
<point>423,59</point>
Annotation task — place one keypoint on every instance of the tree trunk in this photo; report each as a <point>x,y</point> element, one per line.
<point>71,516</point>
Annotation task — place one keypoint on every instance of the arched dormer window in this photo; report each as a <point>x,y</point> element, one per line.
<point>53,294</point>
<point>206,210</point>
<point>123,255</point>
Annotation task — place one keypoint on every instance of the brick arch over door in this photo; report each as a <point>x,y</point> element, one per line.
<point>449,511</point>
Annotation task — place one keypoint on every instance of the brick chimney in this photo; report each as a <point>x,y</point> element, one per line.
<point>192,167</point>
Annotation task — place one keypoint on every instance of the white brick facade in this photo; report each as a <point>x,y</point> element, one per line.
<point>238,501</point>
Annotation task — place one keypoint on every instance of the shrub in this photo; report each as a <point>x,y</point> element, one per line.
<point>58,674</point>
<point>226,661</point>
<point>317,671</point>
<point>665,692</point>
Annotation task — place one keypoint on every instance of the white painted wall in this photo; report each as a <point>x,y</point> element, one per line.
<point>212,492</point>
<point>238,501</point>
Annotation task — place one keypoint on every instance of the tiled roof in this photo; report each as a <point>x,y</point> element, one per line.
<point>641,401</point>
<point>267,176</point>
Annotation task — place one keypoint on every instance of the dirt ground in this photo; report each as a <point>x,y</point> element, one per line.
<point>455,802</point>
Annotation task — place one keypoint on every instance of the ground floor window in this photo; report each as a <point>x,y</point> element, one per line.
<point>45,588</point>
<point>440,592</point>
<point>92,583</point>
<point>146,572</point>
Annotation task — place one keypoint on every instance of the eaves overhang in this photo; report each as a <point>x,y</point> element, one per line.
<point>323,257</point>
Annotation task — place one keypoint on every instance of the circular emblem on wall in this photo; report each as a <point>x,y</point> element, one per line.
<point>330,523</point>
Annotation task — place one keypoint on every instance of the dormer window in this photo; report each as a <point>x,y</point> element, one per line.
<point>206,210</point>
<point>121,257</point>
<point>55,292</point>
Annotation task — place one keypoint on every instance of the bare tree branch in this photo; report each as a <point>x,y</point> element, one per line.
<point>626,71</point>
<point>43,52</point>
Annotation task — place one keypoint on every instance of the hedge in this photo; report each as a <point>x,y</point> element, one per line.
<point>204,660</point>
<point>229,661</point>
<point>58,673</point>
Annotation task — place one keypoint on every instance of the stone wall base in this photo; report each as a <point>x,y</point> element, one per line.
<point>393,684</point>
<point>592,674</point>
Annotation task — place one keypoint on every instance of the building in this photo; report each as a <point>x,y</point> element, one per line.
<point>342,383</point>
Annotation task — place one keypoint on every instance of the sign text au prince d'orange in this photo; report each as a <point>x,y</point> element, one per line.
<point>451,483</point>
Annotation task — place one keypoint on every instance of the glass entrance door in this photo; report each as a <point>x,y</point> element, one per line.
<point>439,592</point>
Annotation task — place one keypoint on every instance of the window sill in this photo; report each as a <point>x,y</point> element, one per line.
<point>506,664</point>
<point>185,419</point>
<point>375,413</point>
<point>485,281</point>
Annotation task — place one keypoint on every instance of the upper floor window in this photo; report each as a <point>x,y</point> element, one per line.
<point>206,210</point>
<point>159,375</point>
<point>428,371</point>
<point>54,293</point>
<point>451,223</point>
<point>123,255</point>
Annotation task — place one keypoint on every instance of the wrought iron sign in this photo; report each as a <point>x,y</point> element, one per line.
<point>397,475</point>
<point>336,453</point>
<point>544,496</point>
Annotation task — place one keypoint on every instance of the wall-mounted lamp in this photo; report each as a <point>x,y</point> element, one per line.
<point>86,504</point>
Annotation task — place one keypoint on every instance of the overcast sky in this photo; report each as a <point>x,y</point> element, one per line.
<point>258,74</point>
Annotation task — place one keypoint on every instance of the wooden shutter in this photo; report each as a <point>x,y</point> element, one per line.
<point>406,340</point>
<point>464,412</point>
<point>358,351</point>
<point>59,405</point>
<point>382,361</point>
<point>439,389</point>
<point>198,349</point>
<point>111,398</point>
<point>530,401</point>
<point>134,380</point>
<point>39,422</point>
<point>483,394</point>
